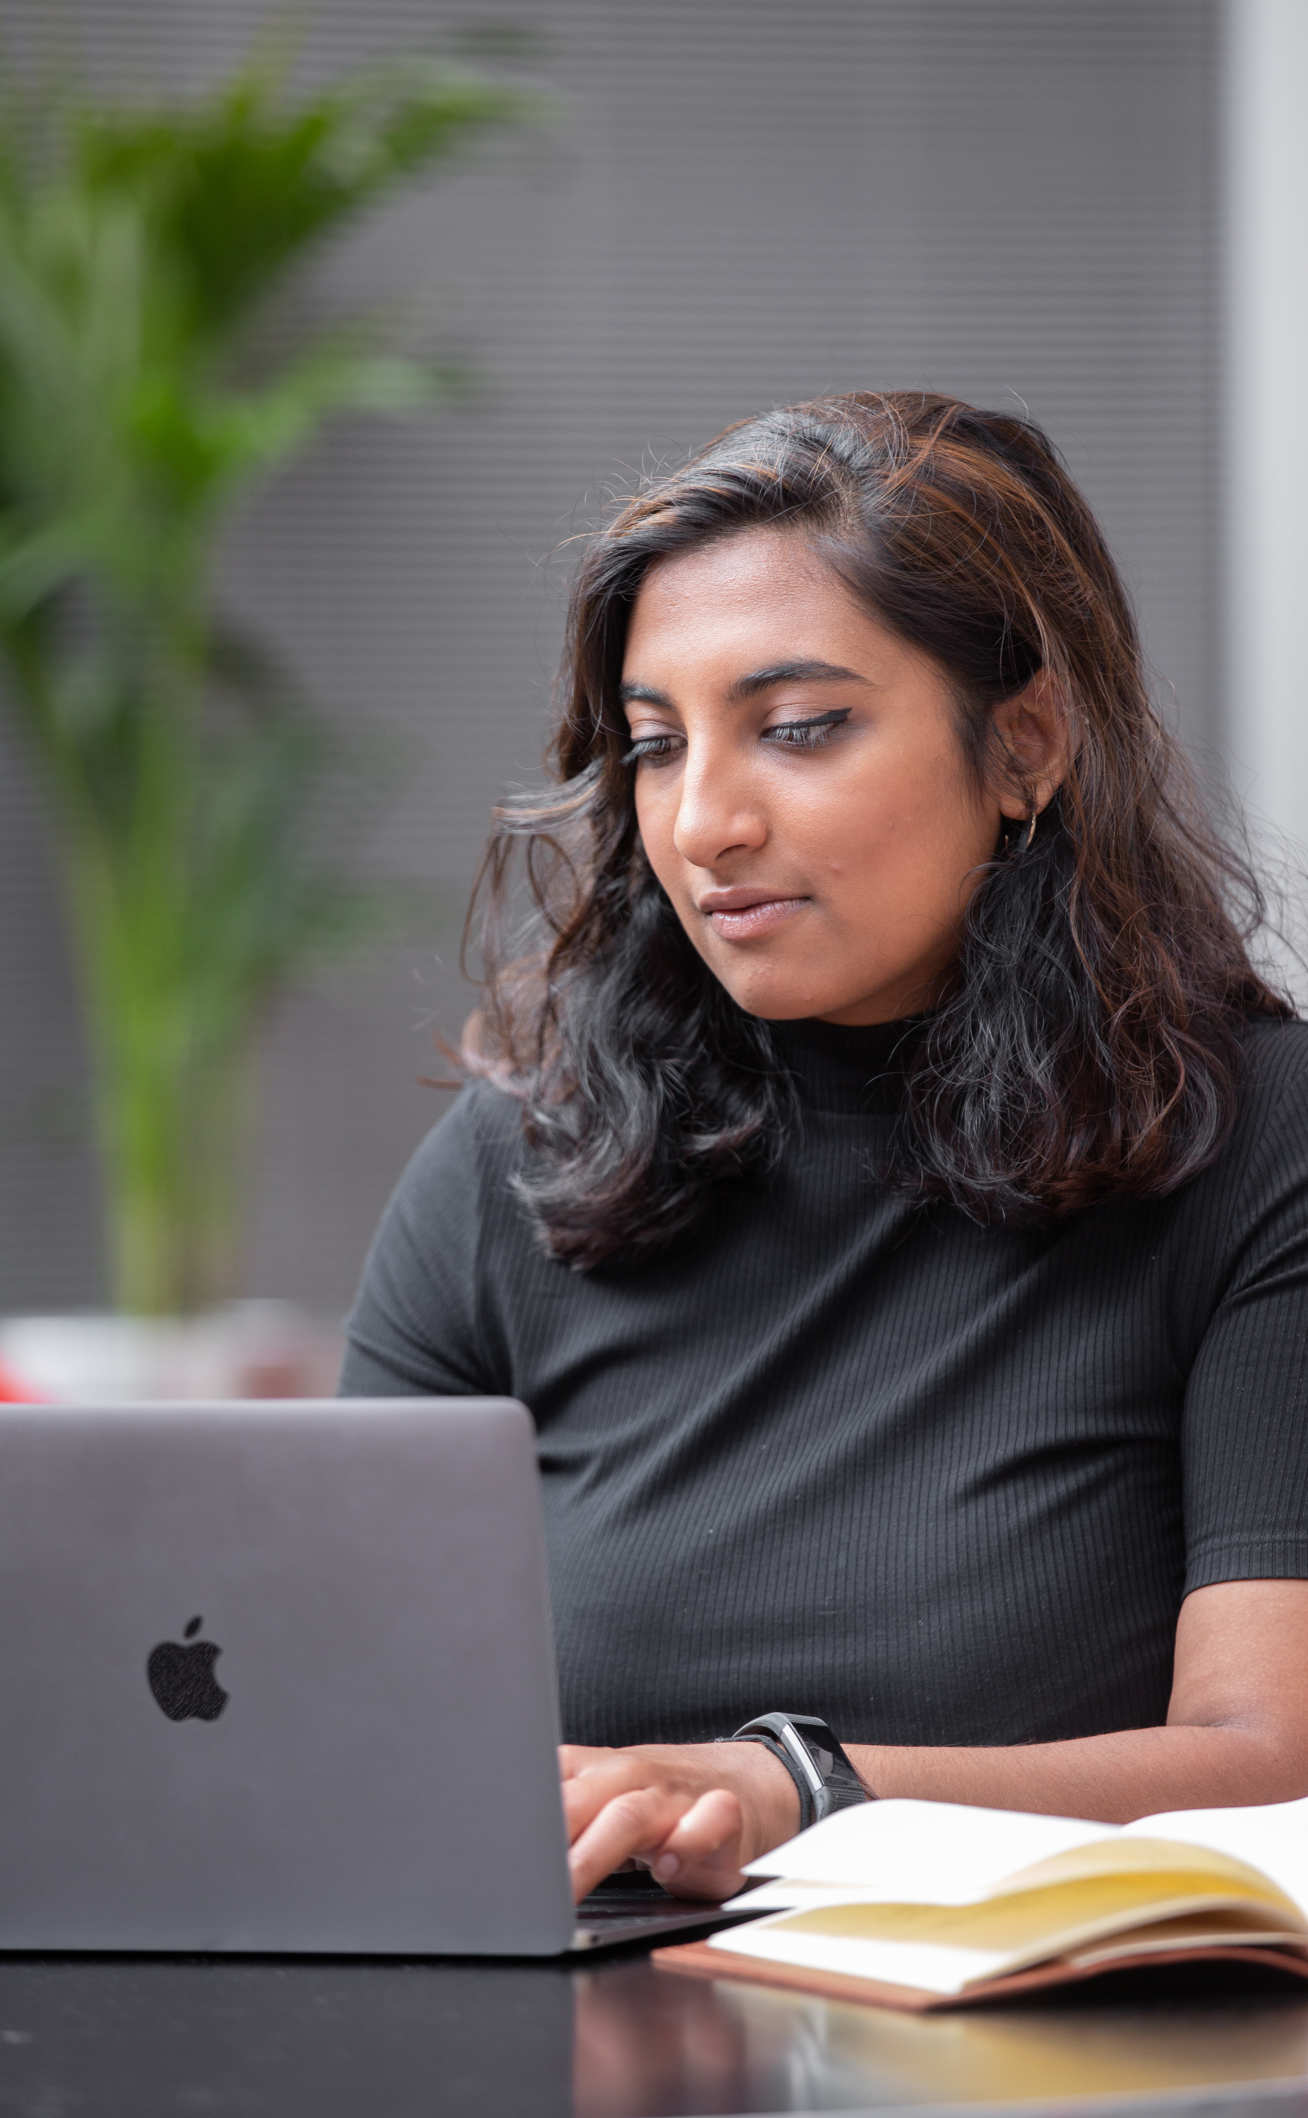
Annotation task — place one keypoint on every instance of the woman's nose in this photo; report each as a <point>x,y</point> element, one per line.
<point>718,811</point>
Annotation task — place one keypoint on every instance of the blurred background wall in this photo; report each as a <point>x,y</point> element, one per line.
<point>741,202</point>
<point>1264,76</point>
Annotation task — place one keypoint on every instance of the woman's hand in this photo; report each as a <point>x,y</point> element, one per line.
<point>694,1813</point>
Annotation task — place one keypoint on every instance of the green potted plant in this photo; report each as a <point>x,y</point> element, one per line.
<point>137,246</point>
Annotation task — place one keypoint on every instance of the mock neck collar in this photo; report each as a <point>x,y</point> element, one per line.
<point>841,1068</point>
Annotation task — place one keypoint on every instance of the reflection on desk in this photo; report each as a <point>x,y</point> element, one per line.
<point>1100,2042</point>
<point>728,2047</point>
<point>323,2038</point>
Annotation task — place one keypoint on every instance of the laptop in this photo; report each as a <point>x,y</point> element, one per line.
<point>279,1678</point>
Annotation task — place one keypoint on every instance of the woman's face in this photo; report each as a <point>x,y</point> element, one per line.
<point>801,792</point>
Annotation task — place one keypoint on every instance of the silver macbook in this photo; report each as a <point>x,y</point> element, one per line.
<point>278,1677</point>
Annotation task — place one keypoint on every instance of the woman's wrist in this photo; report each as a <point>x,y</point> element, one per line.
<point>767,1792</point>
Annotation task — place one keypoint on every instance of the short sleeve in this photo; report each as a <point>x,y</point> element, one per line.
<point>1245,1421</point>
<point>417,1327</point>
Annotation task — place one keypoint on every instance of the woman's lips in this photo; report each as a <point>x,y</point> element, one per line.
<point>751,922</point>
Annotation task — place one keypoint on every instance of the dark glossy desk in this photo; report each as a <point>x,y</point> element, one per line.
<point>328,2039</point>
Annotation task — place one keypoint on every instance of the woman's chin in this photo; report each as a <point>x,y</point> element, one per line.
<point>776,999</point>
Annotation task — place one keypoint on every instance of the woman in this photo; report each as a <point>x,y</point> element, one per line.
<point>887,1179</point>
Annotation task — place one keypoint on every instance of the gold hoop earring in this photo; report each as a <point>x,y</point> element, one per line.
<point>1030,836</point>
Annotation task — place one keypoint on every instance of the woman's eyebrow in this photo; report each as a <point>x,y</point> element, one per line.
<point>748,687</point>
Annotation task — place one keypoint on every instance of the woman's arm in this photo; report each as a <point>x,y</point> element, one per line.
<point>1236,1733</point>
<point>1236,1729</point>
<point>418,1327</point>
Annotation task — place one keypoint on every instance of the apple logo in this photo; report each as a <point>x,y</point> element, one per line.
<point>182,1679</point>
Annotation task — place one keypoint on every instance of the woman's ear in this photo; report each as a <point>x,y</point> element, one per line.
<point>1031,741</point>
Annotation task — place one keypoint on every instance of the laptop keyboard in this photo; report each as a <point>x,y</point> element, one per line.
<point>634,1912</point>
<point>605,1907</point>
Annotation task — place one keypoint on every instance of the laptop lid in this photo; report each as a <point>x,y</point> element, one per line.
<point>277,1677</point>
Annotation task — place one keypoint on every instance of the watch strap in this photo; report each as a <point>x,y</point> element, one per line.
<point>823,1774</point>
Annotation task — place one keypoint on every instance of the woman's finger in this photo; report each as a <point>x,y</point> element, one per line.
<point>700,1857</point>
<point>613,1772</point>
<point>582,1757</point>
<point>631,1825</point>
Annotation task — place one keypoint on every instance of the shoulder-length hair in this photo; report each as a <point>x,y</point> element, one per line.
<point>1087,1046</point>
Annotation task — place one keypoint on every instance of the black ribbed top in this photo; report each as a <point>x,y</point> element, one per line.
<point>857,1071</point>
<point>840,1454</point>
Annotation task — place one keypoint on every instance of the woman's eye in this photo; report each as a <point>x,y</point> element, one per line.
<point>654,747</point>
<point>809,734</point>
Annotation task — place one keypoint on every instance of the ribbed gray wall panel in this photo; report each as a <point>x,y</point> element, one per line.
<point>743,202</point>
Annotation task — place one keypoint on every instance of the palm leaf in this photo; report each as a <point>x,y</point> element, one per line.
<point>246,184</point>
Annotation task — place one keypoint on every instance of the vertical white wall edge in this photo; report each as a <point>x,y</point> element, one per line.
<point>1265,688</point>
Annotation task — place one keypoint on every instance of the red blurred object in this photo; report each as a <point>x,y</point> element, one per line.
<point>12,1391</point>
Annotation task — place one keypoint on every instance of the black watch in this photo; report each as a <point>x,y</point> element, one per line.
<point>824,1778</point>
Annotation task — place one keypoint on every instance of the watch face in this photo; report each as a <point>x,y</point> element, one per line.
<point>823,1756</point>
<point>819,1742</point>
<point>813,1752</point>
<point>841,1785</point>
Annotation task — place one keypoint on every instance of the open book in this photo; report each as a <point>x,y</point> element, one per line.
<point>931,1904</point>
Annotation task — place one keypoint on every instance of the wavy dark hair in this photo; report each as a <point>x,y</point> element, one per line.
<point>1087,1046</point>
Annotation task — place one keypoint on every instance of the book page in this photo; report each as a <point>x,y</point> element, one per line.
<point>936,1970</point>
<point>1273,1837</point>
<point>936,1853</point>
<point>1168,1863</point>
<point>947,1947</point>
<point>951,1853</point>
<point>1157,1857</point>
<point>1201,1930</point>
